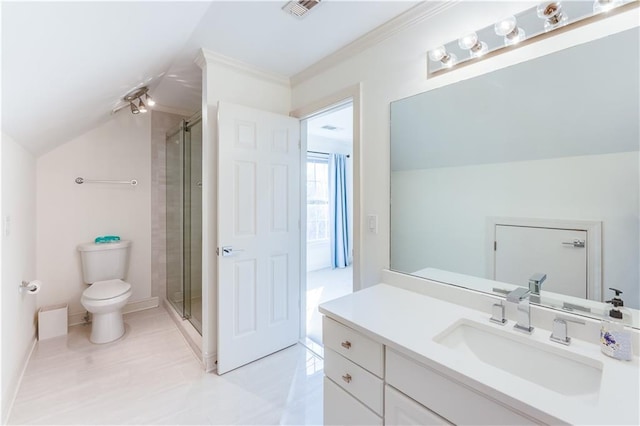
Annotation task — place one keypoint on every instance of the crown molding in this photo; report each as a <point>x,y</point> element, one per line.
<point>200,60</point>
<point>419,13</point>
<point>206,56</point>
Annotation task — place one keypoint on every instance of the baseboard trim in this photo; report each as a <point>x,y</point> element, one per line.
<point>16,386</point>
<point>211,362</point>
<point>135,306</point>
<point>141,305</point>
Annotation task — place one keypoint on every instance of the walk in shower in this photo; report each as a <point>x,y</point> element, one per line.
<point>184,219</point>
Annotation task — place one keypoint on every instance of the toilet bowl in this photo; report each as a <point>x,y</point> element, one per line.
<point>105,300</point>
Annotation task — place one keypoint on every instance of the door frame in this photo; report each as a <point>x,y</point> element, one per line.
<point>594,245</point>
<point>352,94</point>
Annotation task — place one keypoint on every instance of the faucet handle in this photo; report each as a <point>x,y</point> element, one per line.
<point>497,314</point>
<point>559,330</point>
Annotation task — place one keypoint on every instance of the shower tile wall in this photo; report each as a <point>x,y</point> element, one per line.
<point>161,123</point>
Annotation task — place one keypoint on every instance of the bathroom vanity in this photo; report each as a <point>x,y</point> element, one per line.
<point>394,356</point>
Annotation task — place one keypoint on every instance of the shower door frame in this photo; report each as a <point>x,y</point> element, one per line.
<point>183,129</point>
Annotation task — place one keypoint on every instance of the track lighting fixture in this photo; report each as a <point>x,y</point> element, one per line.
<point>134,100</point>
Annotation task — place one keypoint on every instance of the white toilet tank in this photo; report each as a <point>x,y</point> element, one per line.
<point>108,261</point>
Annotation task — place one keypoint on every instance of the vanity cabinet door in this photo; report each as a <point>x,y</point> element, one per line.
<point>401,410</point>
<point>340,408</point>
<point>450,399</point>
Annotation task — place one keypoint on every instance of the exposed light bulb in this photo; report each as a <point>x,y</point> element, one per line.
<point>437,54</point>
<point>470,42</point>
<point>134,108</point>
<point>449,60</point>
<point>149,100</point>
<point>142,107</point>
<point>553,15</point>
<point>600,6</point>
<point>467,41</point>
<point>508,28</point>
<point>505,26</point>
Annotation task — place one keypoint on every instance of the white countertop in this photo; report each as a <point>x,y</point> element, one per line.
<point>408,322</point>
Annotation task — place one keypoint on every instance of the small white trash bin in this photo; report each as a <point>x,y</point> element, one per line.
<point>52,321</point>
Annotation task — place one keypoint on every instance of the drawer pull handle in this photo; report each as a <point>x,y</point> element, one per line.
<point>346,344</point>
<point>347,378</point>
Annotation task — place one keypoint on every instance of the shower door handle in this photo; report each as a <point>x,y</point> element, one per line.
<point>228,251</point>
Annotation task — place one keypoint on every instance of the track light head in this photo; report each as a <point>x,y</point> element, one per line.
<point>142,107</point>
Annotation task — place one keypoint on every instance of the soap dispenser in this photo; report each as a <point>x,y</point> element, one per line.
<point>615,341</point>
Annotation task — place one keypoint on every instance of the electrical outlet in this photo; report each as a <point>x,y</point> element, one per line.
<point>6,226</point>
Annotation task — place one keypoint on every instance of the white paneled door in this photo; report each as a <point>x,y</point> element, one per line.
<point>258,234</point>
<point>521,251</point>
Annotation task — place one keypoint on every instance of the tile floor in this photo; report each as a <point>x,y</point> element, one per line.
<point>324,285</point>
<point>152,377</point>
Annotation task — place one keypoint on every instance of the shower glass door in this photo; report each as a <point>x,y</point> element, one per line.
<point>184,219</point>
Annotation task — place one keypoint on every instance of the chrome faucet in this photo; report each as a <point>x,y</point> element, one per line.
<point>535,282</point>
<point>520,296</point>
<point>559,332</point>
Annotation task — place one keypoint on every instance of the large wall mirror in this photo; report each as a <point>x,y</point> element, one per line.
<point>530,169</point>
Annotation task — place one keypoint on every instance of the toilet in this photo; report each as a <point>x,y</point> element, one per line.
<point>104,266</point>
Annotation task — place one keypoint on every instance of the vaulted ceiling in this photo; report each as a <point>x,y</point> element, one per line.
<point>66,65</point>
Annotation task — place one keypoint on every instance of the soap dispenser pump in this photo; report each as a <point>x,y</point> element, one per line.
<point>615,341</point>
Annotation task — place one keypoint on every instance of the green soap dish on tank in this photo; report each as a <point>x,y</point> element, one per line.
<point>106,239</point>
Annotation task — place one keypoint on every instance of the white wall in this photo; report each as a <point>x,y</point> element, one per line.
<point>18,264</point>
<point>69,214</point>
<point>396,68</point>
<point>228,81</point>
<point>459,199</point>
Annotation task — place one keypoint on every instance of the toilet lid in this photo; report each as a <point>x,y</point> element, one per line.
<point>109,289</point>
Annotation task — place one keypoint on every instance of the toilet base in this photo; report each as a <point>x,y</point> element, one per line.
<point>107,327</point>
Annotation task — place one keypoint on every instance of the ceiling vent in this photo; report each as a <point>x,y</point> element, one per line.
<point>300,8</point>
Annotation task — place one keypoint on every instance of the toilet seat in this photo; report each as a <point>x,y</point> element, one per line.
<point>105,290</point>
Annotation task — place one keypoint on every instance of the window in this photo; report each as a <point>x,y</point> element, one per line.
<point>317,199</point>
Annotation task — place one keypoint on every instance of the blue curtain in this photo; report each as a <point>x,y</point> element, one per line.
<point>338,211</point>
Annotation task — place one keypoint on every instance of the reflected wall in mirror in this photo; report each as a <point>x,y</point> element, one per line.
<point>510,155</point>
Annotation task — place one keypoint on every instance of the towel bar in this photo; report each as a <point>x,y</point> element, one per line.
<point>132,182</point>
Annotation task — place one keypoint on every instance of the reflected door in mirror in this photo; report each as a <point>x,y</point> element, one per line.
<point>522,251</point>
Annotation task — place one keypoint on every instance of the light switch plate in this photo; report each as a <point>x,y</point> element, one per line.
<point>372,223</point>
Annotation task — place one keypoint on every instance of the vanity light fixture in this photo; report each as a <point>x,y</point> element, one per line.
<point>439,54</point>
<point>135,97</point>
<point>523,28</point>
<point>471,43</point>
<point>508,28</point>
<point>553,14</point>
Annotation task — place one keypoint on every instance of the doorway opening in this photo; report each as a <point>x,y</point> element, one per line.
<point>329,212</point>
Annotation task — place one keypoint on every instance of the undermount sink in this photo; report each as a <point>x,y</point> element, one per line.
<point>556,369</point>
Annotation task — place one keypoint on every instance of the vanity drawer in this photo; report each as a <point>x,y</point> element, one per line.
<point>340,408</point>
<point>446,397</point>
<point>402,410</point>
<point>353,345</point>
<point>354,379</point>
